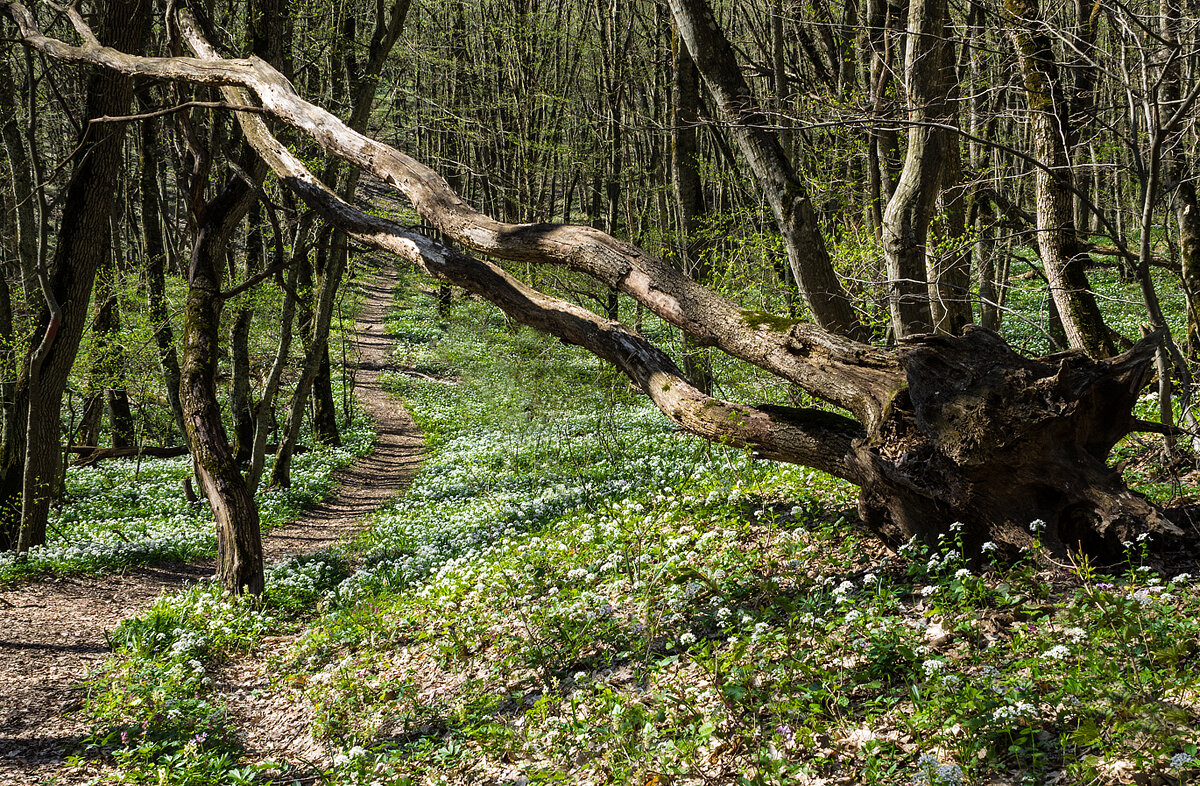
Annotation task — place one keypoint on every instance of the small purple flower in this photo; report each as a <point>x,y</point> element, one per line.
<point>201,737</point>
<point>124,738</point>
<point>785,731</point>
<point>1104,586</point>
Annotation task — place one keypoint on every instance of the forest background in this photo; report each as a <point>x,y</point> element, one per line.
<point>851,185</point>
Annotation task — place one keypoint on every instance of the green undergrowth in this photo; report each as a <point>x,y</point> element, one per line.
<point>123,512</point>
<point>573,592</point>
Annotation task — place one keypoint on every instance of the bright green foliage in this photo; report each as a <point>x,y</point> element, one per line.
<point>124,512</point>
<point>572,591</point>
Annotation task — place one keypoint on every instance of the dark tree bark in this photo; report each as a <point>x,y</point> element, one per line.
<point>108,366</point>
<point>235,512</point>
<point>241,399</point>
<point>239,544</point>
<point>1178,173</point>
<point>83,245</point>
<point>15,398</point>
<point>155,267</point>
<point>694,248</point>
<point>949,269</point>
<point>1085,74</point>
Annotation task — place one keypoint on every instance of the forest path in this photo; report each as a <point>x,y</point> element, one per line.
<point>52,632</point>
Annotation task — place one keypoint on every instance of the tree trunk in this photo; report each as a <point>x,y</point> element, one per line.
<point>14,415</point>
<point>108,366</point>
<point>239,545</point>
<point>906,219</point>
<point>83,245</point>
<point>694,248</point>
<point>949,268</point>
<point>790,204</point>
<point>948,428</point>
<point>155,267</point>
<point>1058,243</point>
<point>241,399</point>
<point>987,437</point>
<point>266,405</point>
<point>362,87</point>
<point>883,145</point>
<point>1177,171</point>
<point>324,410</point>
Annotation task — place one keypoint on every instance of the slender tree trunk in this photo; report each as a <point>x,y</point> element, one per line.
<point>1178,171</point>
<point>316,321</point>
<point>694,248</point>
<point>1062,254</point>
<point>241,399</point>
<point>154,269</point>
<point>883,146</point>
<point>266,405</point>
<point>21,173</point>
<point>792,208</point>
<point>949,268</point>
<point>15,398</point>
<point>982,215</point>
<point>235,512</point>
<point>108,366</point>
<point>906,219</point>
<point>1084,70</point>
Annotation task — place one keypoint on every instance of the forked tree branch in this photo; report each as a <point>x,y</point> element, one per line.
<point>810,437</point>
<point>855,376</point>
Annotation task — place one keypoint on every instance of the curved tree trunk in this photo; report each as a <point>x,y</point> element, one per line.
<point>945,429</point>
<point>239,545</point>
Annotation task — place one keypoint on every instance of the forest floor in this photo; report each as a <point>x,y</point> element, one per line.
<point>53,632</point>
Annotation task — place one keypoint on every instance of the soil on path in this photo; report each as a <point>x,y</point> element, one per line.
<point>52,632</point>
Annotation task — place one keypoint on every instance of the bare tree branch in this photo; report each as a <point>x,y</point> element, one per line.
<point>850,374</point>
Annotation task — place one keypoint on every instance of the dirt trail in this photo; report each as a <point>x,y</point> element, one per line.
<point>52,632</point>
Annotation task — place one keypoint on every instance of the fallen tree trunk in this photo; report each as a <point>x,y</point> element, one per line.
<point>942,430</point>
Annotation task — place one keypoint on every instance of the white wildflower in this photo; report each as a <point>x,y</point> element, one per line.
<point>1181,760</point>
<point>931,667</point>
